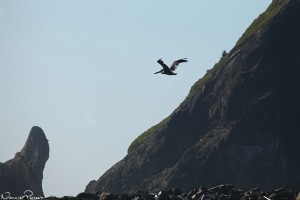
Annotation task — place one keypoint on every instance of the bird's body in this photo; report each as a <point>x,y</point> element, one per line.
<point>170,70</point>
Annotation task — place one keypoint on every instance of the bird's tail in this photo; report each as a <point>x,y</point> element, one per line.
<point>158,72</point>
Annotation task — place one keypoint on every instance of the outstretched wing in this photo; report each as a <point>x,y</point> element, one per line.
<point>165,67</point>
<point>176,63</point>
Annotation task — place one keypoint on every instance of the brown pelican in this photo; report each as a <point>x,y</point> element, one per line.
<point>170,70</point>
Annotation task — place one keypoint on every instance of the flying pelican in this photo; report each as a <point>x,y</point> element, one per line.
<point>170,71</point>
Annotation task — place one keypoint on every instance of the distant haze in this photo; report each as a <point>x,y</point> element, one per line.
<point>83,72</point>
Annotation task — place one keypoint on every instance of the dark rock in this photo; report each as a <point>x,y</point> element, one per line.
<point>196,196</point>
<point>176,191</point>
<point>256,189</point>
<point>52,198</point>
<point>68,198</point>
<point>140,192</point>
<point>137,198</point>
<point>279,190</point>
<point>149,197</point>
<point>124,197</point>
<point>202,190</point>
<point>87,196</point>
<point>175,197</point>
<point>254,193</point>
<point>239,124</point>
<point>221,188</point>
<point>236,194</point>
<point>281,193</point>
<point>163,195</point>
<point>25,170</point>
<point>107,196</point>
<point>142,195</point>
<point>191,193</point>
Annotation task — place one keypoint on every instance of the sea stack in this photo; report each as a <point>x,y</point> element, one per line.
<point>25,170</point>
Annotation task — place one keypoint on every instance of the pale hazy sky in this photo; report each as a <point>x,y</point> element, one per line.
<point>83,72</point>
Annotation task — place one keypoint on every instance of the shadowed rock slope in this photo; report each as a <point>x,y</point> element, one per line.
<point>25,170</point>
<point>239,124</point>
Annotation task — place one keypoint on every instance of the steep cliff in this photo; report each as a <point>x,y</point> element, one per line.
<point>25,170</point>
<point>239,124</point>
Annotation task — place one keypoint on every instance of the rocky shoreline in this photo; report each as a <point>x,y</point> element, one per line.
<point>220,192</point>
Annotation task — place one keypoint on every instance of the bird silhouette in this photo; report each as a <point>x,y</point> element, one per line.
<point>170,70</point>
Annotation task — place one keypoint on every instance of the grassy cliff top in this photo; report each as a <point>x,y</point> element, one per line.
<point>141,138</point>
<point>262,19</point>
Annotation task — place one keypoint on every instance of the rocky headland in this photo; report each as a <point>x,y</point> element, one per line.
<point>239,124</point>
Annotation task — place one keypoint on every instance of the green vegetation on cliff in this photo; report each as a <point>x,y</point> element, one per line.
<point>141,138</point>
<point>262,19</point>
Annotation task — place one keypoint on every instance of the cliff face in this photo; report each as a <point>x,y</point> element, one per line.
<point>239,123</point>
<point>25,170</point>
